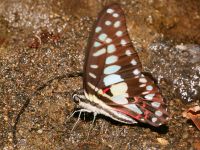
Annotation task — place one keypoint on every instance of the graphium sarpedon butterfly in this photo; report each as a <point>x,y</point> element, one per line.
<point>113,82</point>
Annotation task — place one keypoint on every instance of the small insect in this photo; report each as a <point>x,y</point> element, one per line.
<point>113,84</point>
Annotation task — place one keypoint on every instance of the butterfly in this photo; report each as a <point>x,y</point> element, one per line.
<point>113,82</point>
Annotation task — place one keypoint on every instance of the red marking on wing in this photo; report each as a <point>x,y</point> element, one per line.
<point>128,114</point>
<point>144,105</point>
<point>146,115</point>
<point>106,90</point>
<point>138,117</point>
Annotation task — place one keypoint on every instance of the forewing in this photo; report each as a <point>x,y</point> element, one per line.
<point>105,48</point>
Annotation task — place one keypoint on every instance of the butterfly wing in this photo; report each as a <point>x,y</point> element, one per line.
<point>113,71</point>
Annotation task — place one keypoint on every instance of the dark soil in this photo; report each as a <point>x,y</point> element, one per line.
<point>42,46</point>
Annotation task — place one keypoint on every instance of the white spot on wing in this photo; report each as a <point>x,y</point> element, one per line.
<point>111,48</point>
<point>119,33</point>
<point>92,75</point>
<point>111,59</point>
<point>98,29</point>
<point>120,99</point>
<point>119,89</point>
<point>110,11</point>
<point>108,40</point>
<point>142,85</point>
<point>158,113</point>
<point>149,96</point>
<point>111,69</point>
<point>136,72</point>
<point>155,104</point>
<point>94,66</point>
<point>134,108</point>
<point>146,92</point>
<point>154,119</point>
<point>100,52</point>
<point>117,24</point>
<point>108,23</point>
<point>123,42</point>
<point>133,62</point>
<point>115,15</point>
<point>149,88</point>
<point>128,52</point>
<point>91,85</point>
<point>143,80</point>
<point>97,44</point>
<point>102,37</point>
<point>111,79</point>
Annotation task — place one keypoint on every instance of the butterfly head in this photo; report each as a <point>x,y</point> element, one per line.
<point>78,96</point>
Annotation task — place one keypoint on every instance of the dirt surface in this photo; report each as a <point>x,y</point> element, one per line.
<point>42,46</point>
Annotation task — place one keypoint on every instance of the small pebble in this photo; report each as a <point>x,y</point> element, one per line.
<point>40,131</point>
<point>162,141</point>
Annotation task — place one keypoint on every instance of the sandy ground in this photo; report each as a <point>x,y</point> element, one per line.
<point>42,46</point>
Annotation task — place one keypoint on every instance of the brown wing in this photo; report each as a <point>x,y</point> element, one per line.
<point>107,46</point>
<point>113,70</point>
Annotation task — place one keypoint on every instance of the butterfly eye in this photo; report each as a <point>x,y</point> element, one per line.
<point>75,97</point>
<point>78,96</point>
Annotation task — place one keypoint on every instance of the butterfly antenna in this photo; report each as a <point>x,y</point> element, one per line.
<point>37,92</point>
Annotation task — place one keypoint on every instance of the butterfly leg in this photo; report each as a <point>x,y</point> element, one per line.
<point>94,118</point>
<point>95,114</point>
<point>79,116</point>
<point>72,114</point>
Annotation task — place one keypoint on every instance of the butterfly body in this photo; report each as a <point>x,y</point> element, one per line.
<point>97,107</point>
<point>114,84</point>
